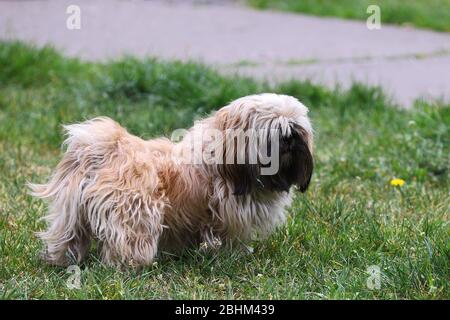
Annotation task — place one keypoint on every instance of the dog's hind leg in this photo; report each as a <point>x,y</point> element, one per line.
<point>67,237</point>
<point>132,233</point>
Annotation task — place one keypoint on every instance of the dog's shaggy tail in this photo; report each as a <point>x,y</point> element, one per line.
<point>68,231</point>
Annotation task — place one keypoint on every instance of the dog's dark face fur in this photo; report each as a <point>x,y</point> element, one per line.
<point>296,163</point>
<point>295,167</point>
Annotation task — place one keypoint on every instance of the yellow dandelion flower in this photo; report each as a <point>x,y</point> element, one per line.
<point>397,182</point>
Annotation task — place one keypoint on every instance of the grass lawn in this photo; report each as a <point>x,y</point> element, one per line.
<point>351,217</point>
<point>432,14</point>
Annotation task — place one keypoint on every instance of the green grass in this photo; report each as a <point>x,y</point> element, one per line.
<point>351,218</point>
<point>432,14</point>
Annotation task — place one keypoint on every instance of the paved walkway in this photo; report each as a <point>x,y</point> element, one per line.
<point>277,46</point>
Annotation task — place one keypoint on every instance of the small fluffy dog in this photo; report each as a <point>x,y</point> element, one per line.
<point>136,197</point>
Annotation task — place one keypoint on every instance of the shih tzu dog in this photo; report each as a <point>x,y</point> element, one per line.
<point>226,180</point>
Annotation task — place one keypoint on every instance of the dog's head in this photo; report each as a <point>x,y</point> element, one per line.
<point>268,144</point>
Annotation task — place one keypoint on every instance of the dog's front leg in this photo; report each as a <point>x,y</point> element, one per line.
<point>209,241</point>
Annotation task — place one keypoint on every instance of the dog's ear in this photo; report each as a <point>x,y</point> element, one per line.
<point>243,177</point>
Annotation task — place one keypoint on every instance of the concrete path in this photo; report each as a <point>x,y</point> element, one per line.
<point>276,46</point>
